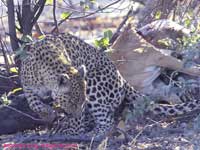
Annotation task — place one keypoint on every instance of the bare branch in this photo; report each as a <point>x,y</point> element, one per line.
<point>61,138</point>
<point>38,11</point>
<point>24,114</point>
<point>54,16</point>
<point>19,18</point>
<point>84,16</point>
<point>38,29</point>
<point>14,38</point>
<point>4,55</point>
<point>26,16</point>
<point>62,21</point>
<point>116,34</point>
<point>92,13</point>
<point>11,22</point>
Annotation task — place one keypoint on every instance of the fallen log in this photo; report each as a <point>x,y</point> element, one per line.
<point>17,116</point>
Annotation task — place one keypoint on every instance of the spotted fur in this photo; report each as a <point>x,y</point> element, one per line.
<point>176,109</point>
<point>47,71</point>
<point>106,88</point>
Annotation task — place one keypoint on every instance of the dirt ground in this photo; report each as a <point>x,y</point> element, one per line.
<point>140,132</point>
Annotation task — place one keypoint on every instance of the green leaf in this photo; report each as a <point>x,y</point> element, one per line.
<point>65,15</point>
<point>41,37</point>
<point>105,42</point>
<point>5,99</point>
<point>13,70</point>
<point>96,43</point>
<point>187,22</point>
<point>102,43</point>
<point>86,7</point>
<point>49,2</point>
<point>14,91</point>
<point>158,14</point>
<point>108,34</point>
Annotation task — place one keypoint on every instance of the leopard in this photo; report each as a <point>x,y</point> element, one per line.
<point>103,92</point>
<point>175,109</point>
<point>106,89</point>
<point>47,71</point>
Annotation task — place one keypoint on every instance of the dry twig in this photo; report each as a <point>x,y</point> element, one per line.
<point>84,16</point>
<point>4,55</point>
<point>117,33</point>
<point>54,16</point>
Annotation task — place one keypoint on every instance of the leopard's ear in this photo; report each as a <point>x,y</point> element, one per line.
<point>63,79</point>
<point>82,71</point>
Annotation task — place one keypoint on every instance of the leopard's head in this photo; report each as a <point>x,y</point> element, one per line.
<point>70,93</point>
